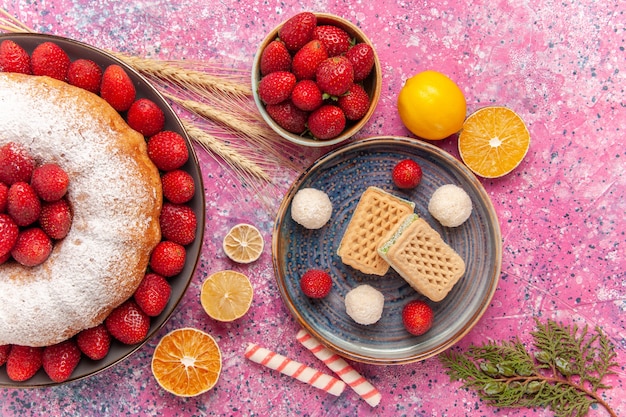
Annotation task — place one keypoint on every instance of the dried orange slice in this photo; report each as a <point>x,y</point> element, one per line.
<point>187,362</point>
<point>493,142</point>
<point>226,295</point>
<point>243,243</point>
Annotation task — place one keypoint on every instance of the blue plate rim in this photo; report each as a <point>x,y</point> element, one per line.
<point>452,163</point>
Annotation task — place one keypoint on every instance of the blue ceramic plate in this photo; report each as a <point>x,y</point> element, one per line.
<point>119,351</point>
<point>344,174</point>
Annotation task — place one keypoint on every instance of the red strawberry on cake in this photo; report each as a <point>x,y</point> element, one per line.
<point>94,342</point>
<point>56,219</point>
<point>8,234</point>
<point>50,59</point>
<point>153,294</point>
<point>178,223</point>
<point>13,58</point>
<point>168,150</point>
<point>16,164</point>
<point>60,360</point>
<point>86,74</point>
<point>24,362</point>
<point>145,117</point>
<point>117,88</point>
<point>23,204</point>
<point>50,182</point>
<point>178,186</point>
<point>128,323</point>
<point>168,258</point>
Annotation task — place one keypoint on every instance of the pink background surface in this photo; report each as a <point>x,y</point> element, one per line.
<point>560,64</point>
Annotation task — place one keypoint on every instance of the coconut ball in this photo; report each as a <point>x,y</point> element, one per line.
<point>364,304</point>
<point>450,205</point>
<point>311,208</point>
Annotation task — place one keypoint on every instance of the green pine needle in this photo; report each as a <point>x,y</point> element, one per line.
<point>564,372</point>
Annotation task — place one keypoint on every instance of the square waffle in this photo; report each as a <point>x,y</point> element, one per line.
<point>418,253</point>
<point>376,214</point>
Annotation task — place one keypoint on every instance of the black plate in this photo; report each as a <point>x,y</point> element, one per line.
<point>180,282</point>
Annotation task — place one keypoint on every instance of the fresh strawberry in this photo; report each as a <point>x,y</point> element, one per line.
<point>153,294</point>
<point>60,360</point>
<point>13,58</point>
<point>361,56</point>
<point>406,174</point>
<point>50,182</point>
<point>4,353</point>
<point>5,258</point>
<point>94,342</point>
<point>8,234</point>
<point>355,102</point>
<point>276,87</point>
<point>178,223</point>
<point>16,164</point>
<point>178,186</point>
<point>275,57</point>
<point>56,219</point>
<point>168,150</point>
<point>306,95</point>
<point>288,116</point>
<point>23,362</point>
<point>4,197</point>
<point>50,59</point>
<point>335,39</point>
<point>168,258</point>
<point>117,88</point>
<point>298,30</point>
<point>23,204</point>
<point>326,122</point>
<point>86,74</point>
<point>307,59</point>
<point>32,248</point>
<point>417,317</point>
<point>316,283</point>
<point>335,75</point>
<point>127,323</point>
<point>146,117</point>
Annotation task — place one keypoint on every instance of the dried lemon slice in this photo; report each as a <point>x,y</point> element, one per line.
<point>494,141</point>
<point>226,295</point>
<point>243,243</point>
<point>187,362</point>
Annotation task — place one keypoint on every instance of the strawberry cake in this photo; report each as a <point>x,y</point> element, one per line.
<point>115,195</point>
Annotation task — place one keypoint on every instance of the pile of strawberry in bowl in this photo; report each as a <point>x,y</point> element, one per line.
<point>316,79</point>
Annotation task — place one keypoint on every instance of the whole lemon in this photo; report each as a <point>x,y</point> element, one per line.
<point>431,105</point>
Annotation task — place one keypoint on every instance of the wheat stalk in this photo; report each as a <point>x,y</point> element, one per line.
<point>173,72</point>
<point>230,156</point>
<point>9,23</point>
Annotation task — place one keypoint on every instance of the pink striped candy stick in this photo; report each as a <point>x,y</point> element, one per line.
<point>339,366</point>
<point>294,369</point>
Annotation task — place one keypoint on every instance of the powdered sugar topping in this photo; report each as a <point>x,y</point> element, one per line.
<point>68,291</point>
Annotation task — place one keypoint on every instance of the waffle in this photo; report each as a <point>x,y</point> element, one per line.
<point>376,214</point>
<point>418,253</point>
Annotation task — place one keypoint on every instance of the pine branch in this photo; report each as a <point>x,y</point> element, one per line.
<point>564,372</point>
